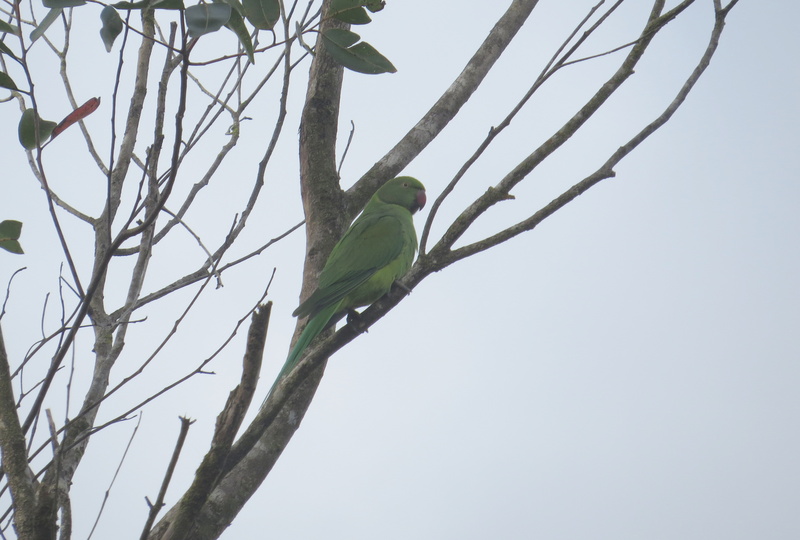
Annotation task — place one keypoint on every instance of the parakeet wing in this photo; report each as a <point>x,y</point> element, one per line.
<point>373,241</point>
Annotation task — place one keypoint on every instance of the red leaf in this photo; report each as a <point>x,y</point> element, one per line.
<point>78,114</point>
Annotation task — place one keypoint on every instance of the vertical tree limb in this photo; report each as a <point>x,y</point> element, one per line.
<point>162,492</point>
<point>15,456</point>
<point>323,203</point>
<point>319,181</point>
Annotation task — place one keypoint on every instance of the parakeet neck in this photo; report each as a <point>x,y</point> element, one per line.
<point>376,201</point>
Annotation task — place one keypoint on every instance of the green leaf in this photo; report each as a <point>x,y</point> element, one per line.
<point>131,5</point>
<point>235,4</point>
<point>9,236</point>
<point>10,229</point>
<point>12,246</point>
<point>374,5</point>
<point>27,129</point>
<point>6,28</point>
<point>168,4</point>
<point>349,11</point>
<point>5,50</point>
<point>236,25</point>
<point>62,4</point>
<point>49,19</point>
<point>157,4</point>
<point>112,26</point>
<point>7,82</point>
<point>207,18</point>
<point>362,58</point>
<point>263,14</point>
<point>342,38</point>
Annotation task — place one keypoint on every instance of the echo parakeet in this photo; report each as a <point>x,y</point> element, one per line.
<point>376,250</point>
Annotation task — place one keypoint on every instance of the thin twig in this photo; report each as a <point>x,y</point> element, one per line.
<point>114,478</point>
<point>502,190</point>
<point>204,271</point>
<point>553,65</point>
<point>8,290</point>
<point>346,148</point>
<point>126,415</point>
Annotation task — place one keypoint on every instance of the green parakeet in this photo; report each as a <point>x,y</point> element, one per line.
<point>376,250</point>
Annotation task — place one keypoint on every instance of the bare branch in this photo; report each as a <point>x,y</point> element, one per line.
<point>156,506</point>
<point>8,290</point>
<point>502,190</point>
<point>62,55</point>
<point>606,170</point>
<point>445,109</point>
<point>118,167</point>
<point>204,271</point>
<point>114,478</point>
<point>14,454</point>
<point>346,148</point>
<point>196,371</point>
<point>228,422</point>
<point>549,70</point>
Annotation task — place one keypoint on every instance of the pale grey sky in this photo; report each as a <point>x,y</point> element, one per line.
<point>628,370</point>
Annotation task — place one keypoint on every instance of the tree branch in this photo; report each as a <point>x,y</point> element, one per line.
<point>14,454</point>
<point>445,108</point>
<point>173,462</point>
<point>228,422</point>
<point>607,169</point>
<point>549,70</point>
<point>502,190</point>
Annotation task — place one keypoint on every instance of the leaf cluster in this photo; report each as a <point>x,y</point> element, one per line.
<point>343,45</point>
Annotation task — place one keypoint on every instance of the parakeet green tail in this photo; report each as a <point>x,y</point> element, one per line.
<point>376,250</point>
<point>316,325</point>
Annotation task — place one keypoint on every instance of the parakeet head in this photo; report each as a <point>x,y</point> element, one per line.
<point>404,191</point>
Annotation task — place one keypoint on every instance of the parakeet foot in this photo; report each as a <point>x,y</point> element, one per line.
<point>402,287</point>
<point>354,320</point>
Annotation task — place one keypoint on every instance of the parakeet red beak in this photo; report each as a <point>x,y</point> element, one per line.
<point>421,200</point>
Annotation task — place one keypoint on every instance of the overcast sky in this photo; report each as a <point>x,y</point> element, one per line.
<point>628,370</point>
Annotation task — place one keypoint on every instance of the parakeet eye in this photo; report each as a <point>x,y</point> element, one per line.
<point>405,184</point>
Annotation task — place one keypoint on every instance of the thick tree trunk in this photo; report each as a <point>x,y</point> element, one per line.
<point>256,452</point>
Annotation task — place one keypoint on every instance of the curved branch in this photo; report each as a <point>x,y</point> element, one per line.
<point>607,169</point>
<point>445,109</point>
<point>501,190</point>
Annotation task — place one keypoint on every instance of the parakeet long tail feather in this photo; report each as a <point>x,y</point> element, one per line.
<point>316,325</point>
